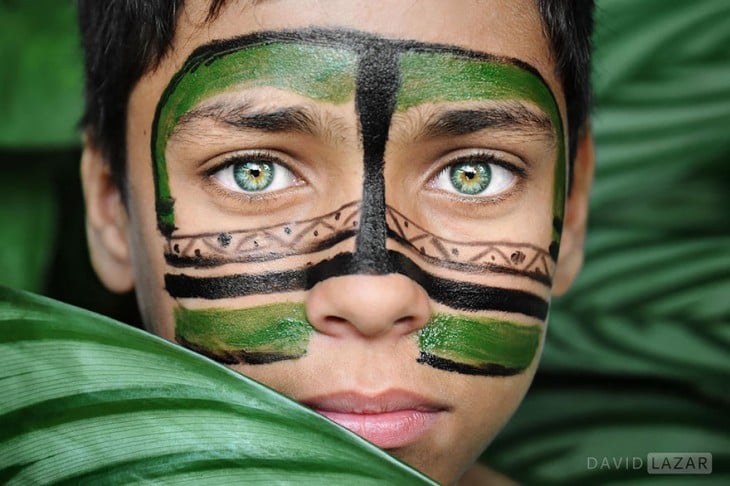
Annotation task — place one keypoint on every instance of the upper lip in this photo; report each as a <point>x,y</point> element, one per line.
<point>384,402</point>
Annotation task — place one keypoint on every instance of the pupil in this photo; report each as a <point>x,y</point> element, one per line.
<point>255,173</point>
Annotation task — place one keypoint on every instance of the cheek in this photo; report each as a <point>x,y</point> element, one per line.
<point>257,335</point>
<point>487,406</point>
<point>482,406</point>
<point>487,265</point>
<point>146,243</point>
<point>149,266</point>
<point>479,345</point>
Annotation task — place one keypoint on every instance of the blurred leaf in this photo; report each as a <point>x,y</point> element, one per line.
<point>652,298</point>
<point>563,423</point>
<point>27,221</point>
<point>87,400</point>
<point>41,75</point>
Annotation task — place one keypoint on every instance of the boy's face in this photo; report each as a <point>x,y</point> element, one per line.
<point>358,204</point>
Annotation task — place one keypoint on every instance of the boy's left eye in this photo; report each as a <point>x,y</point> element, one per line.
<point>254,175</point>
<point>474,178</point>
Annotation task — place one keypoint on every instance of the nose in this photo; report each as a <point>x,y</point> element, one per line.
<point>368,305</point>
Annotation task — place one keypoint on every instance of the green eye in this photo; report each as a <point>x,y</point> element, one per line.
<point>470,178</point>
<point>253,176</point>
<point>477,176</point>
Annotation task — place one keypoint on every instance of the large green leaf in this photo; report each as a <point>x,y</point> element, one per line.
<point>86,400</point>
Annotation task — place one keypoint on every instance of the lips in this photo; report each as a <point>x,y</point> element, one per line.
<point>389,420</point>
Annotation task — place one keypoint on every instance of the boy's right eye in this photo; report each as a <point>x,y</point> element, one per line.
<point>253,174</point>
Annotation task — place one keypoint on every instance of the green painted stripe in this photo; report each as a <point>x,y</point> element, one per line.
<point>480,341</point>
<point>321,73</point>
<point>283,330</point>
<point>270,330</point>
<point>437,77</point>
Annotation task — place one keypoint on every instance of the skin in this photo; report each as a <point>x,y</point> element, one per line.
<point>369,329</point>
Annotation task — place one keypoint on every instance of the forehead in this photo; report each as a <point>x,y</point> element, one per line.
<point>326,65</point>
<point>504,28</point>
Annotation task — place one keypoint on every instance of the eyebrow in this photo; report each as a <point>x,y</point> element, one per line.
<point>514,116</point>
<point>295,119</point>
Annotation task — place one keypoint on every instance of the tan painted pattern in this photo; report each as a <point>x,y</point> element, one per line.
<point>519,258</point>
<point>311,235</point>
<point>260,244</point>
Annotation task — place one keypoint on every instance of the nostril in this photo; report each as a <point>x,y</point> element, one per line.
<point>335,320</point>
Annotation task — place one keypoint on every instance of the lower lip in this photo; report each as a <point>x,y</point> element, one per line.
<point>387,430</point>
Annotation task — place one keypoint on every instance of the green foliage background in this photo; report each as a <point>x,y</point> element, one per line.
<point>637,355</point>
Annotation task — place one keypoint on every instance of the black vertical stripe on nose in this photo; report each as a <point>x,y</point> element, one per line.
<point>377,86</point>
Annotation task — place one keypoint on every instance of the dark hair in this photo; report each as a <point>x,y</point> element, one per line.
<point>124,39</point>
<point>569,26</point>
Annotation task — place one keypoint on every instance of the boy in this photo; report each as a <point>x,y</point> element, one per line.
<point>363,205</point>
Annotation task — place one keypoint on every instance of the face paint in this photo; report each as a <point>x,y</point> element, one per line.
<point>471,256</point>
<point>381,76</point>
<point>256,335</point>
<point>328,75</point>
<point>456,294</point>
<point>377,87</point>
<point>266,243</point>
<point>431,76</point>
<point>478,345</point>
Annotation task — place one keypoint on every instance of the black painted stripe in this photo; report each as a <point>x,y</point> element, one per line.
<point>237,285</point>
<point>376,92</point>
<point>236,357</point>
<point>486,369</point>
<point>455,294</point>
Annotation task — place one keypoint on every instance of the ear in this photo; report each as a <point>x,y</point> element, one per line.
<point>106,222</point>
<point>570,260</point>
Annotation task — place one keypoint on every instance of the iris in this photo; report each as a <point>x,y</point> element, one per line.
<point>470,178</point>
<point>254,175</point>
